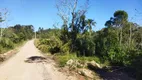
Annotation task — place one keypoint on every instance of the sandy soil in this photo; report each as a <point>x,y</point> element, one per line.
<point>17,68</point>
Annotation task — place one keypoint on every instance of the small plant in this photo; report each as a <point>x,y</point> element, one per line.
<point>62,60</point>
<point>44,48</point>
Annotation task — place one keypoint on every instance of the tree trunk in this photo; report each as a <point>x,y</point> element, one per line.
<point>120,36</point>
<point>130,37</point>
<point>0,33</point>
<point>73,17</point>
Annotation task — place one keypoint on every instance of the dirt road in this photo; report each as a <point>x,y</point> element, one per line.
<point>17,69</point>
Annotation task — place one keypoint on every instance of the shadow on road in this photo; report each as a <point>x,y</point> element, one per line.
<point>35,59</point>
<point>106,74</point>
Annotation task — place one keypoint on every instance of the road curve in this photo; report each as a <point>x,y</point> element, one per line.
<point>17,69</point>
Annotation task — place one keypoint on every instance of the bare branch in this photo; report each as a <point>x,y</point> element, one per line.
<point>3,15</point>
<point>68,8</point>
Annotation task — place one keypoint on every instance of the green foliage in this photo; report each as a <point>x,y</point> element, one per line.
<point>1,49</point>
<point>121,14</point>
<point>95,58</point>
<point>62,59</point>
<point>66,47</point>
<point>14,35</point>
<point>6,43</point>
<point>85,45</point>
<point>36,42</point>
<point>44,48</point>
<point>119,43</point>
<point>53,44</point>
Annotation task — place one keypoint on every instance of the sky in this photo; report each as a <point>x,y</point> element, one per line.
<point>43,13</point>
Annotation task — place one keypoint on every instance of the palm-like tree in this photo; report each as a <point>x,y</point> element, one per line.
<point>90,23</point>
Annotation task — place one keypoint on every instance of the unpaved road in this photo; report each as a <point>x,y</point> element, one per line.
<point>17,69</point>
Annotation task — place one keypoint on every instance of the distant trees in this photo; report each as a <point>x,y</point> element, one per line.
<point>14,35</point>
<point>24,31</point>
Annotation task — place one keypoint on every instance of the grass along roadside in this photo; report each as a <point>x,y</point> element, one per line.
<point>7,53</point>
<point>91,68</point>
<point>70,62</point>
<point>62,58</point>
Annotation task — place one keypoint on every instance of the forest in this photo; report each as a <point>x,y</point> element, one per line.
<point>118,44</point>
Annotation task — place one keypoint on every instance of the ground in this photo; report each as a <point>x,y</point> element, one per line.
<point>30,64</point>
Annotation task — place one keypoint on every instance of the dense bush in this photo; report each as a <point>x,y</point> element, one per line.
<point>44,48</point>
<point>85,45</point>
<point>15,35</point>
<point>1,49</point>
<point>6,43</point>
<point>52,45</point>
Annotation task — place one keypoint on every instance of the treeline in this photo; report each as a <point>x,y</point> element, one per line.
<point>14,35</point>
<point>119,42</point>
<point>119,45</point>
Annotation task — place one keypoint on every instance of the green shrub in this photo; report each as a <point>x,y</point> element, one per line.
<point>7,43</point>
<point>117,56</point>
<point>37,43</point>
<point>85,45</point>
<point>54,50</point>
<point>66,47</point>
<point>96,59</point>
<point>14,38</point>
<point>52,44</point>
<point>45,41</point>
<point>62,60</point>
<point>1,48</point>
<point>44,48</point>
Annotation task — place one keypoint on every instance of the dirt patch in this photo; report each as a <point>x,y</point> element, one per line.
<point>66,71</point>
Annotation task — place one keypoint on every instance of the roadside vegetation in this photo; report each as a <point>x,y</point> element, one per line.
<point>13,36</point>
<point>77,44</point>
<point>118,44</point>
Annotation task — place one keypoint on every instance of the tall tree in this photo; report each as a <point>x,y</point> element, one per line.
<point>67,10</point>
<point>119,19</point>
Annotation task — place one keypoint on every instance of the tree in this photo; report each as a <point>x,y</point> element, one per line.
<point>72,18</point>
<point>90,23</point>
<point>67,10</point>
<point>119,20</point>
<point>3,18</point>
